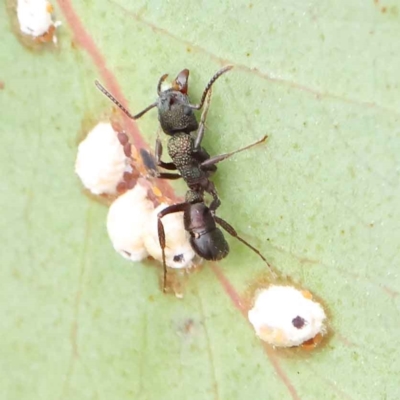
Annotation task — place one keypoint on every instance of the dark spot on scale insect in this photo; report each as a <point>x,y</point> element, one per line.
<point>178,258</point>
<point>298,322</point>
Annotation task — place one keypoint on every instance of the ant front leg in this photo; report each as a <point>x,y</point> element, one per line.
<point>169,166</point>
<point>231,230</point>
<point>202,124</point>
<point>161,233</point>
<point>151,166</point>
<point>158,152</point>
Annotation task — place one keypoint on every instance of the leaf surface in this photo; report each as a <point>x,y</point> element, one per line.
<point>320,199</point>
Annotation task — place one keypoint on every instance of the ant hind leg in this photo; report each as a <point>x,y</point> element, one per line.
<point>231,230</point>
<point>161,234</point>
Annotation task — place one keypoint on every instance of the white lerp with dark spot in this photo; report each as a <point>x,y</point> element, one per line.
<point>35,17</point>
<point>178,251</point>
<point>101,161</point>
<point>127,222</point>
<point>285,316</point>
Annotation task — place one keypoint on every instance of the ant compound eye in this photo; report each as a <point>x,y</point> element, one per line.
<point>36,20</point>
<point>126,221</point>
<point>283,317</point>
<point>101,160</point>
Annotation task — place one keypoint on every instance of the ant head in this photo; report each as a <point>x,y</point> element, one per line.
<point>174,112</point>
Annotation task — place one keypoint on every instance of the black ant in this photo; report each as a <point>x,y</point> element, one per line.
<point>200,221</point>
<point>191,160</point>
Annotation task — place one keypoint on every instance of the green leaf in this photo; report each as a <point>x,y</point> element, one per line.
<point>320,199</point>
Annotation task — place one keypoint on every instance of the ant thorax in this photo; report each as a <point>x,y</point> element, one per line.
<point>180,149</point>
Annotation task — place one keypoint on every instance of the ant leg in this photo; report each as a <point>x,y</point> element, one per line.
<point>202,155</point>
<point>221,157</point>
<point>201,129</point>
<point>167,175</point>
<point>208,87</point>
<point>231,230</point>
<point>119,105</point>
<point>216,202</point>
<point>151,167</point>
<point>161,233</point>
<point>158,152</point>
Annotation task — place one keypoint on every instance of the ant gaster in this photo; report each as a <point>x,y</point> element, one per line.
<point>177,118</point>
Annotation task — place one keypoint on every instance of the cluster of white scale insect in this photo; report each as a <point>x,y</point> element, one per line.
<point>132,228</point>
<point>35,18</point>
<point>132,219</point>
<point>284,316</point>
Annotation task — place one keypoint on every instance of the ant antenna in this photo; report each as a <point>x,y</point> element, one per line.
<point>209,84</point>
<point>119,105</point>
<point>160,82</point>
<point>231,230</point>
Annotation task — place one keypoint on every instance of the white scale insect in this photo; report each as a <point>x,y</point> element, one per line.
<point>132,219</point>
<point>35,19</point>
<point>132,228</point>
<point>101,161</point>
<point>284,316</point>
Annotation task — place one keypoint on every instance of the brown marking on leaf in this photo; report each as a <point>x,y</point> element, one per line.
<point>312,343</point>
<point>391,292</point>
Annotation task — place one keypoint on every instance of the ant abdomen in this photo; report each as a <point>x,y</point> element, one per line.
<point>210,245</point>
<point>205,238</point>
